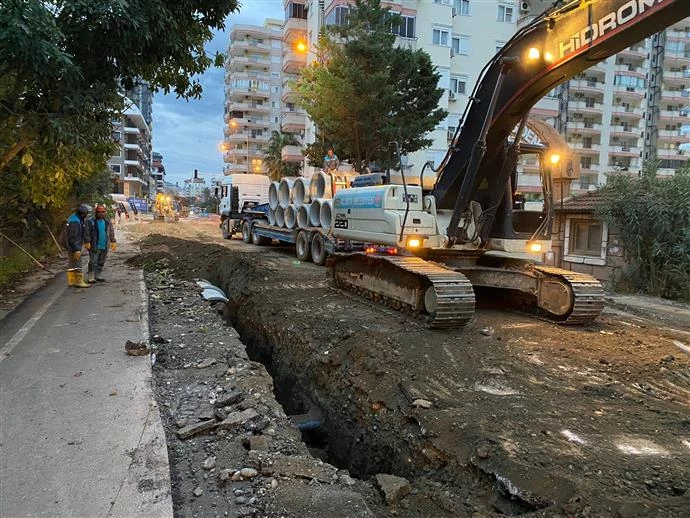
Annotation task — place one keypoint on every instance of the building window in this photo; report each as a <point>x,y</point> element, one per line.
<point>461,45</point>
<point>118,152</point>
<point>406,27</point>
<point>458,84</point>
<point>462,7</point>
<point>115,168</point>
<point>505,13</point>
<point>338,16</point>
<point>499,46</point>
<point>440,37</point>
<point>116,136</point>
<point>294,10</point>
<point>585,238</point>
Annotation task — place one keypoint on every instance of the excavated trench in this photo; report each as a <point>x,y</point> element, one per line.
<point>336,426</point>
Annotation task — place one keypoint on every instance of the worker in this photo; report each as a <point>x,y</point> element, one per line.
<point>76,240</point>
<point>101,236</point>
<point>330,161</point>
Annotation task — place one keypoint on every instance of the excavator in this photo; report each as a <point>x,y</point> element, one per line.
<point>470,229</point>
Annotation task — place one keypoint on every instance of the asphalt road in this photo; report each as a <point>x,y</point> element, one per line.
<point>80,434</point>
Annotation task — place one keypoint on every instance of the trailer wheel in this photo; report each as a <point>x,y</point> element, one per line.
<point>246,232</point>
<point>260,240</point>
<point>225,227</point>
<point>318,249</point>
<point>302,246</point>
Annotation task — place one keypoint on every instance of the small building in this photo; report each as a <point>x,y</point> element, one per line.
<point>584,243</point>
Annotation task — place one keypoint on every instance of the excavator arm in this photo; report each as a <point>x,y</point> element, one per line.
<point>566,39</point>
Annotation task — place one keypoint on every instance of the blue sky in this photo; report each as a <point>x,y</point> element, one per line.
<point>188,133</point>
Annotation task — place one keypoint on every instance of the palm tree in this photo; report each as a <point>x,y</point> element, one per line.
<point>277,168</point>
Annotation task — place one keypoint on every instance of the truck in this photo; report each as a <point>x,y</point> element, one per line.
<point>242,196</point>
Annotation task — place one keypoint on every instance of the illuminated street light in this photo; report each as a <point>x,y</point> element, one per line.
<point>533,53</point>
<point>555,158</point>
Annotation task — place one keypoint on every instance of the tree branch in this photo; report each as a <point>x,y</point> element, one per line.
<point>11,153</point>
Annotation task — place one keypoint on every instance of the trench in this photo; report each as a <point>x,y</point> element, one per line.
<point>330,427</point>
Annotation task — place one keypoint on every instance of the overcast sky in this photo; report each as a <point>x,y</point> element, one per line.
<point>188,133</point>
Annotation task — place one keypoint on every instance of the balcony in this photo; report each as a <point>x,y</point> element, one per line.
<point>677,34</point>
<point>681,137</point>
<point>584,85</point>
<point>231,168</point>
<point>293,122</point>
<point>634,53</point>
<point>406,43</point>
<point>238,63</point>
<point>674,116</point>
<point>133,147</point>
<point>251,122</point>
<point>628,92</point>
<point>624,151</point>
<point>621,110</point>
<point>585,149</point>
<point>677,58</point>
<point>250,91</point>
<point>618,130</point>
<point>132,130</point>
<point>671,154</point>
<point>288,94</point>
<point>630,70</point>
<point>241,136</point>
<point>678,96</point>
<point>291,154</point>
<point>293,62</point>
<point>680,75</point>
<point>584,127</point>
<point>247,107</point>
<point>585,107</point>
<point>294,29</point>
<point>239,47</point>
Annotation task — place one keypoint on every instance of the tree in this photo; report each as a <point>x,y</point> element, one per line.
<point>277,168</point>
<point>652,215</point>
<point>63,64</point>
<point>365,92</point>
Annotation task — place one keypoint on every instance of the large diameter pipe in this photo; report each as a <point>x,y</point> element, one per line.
<point>320,186</point>
<point>315,213</point>
<point>326,213</point>
<point>284,192</point>
<point>300,191</point>
<point>280,216</point>
<point>271,216</point>
<point>303,215</point>
<point>291,216</point>
<point>273,195</point>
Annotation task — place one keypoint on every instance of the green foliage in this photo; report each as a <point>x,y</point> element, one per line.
<point>364,92</point>
<point>63,64</point>
<point>273,159</point>
<point>652,215</point>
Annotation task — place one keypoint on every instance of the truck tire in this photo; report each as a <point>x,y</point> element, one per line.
<point>246,232</point>
<point>260,240</point>
<point>225,227</point>
<point>302,246</point>
<point>318,249</point>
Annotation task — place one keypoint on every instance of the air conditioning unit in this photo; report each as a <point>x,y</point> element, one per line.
<point>455,11</point>
<point>524,7</point>
<point>451,96</point>
<point>452,53</point>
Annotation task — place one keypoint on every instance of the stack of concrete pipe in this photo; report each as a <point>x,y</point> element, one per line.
<point>301,202</point>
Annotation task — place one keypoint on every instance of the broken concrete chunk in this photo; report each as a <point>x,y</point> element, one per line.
<point>236,419</point>
<point>299,466</point>
<point>248,472</point>
<point>258,442</point>
<point>205,363</point>
<point>421,403</point>
<point>196,428</point>
<point>198,492</point>
<point>393,488</point>
<point>230,398</point>
<point>225,474</point>
<point>209,463</point>
<point>220,414</point>
<point>206,415</point>
<point>136,348</point>
<point>181,422</point>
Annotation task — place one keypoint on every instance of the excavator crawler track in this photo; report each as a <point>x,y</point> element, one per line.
<point>587,295</point>
<point>409,284</point>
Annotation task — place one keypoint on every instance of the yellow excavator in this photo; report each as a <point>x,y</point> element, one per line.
<point>164,209</point>
<point>472,229</point>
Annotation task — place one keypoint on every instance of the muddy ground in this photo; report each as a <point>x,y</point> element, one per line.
<point>526,417</point>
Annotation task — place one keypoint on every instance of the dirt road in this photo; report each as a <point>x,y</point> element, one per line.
<point>524,416</point>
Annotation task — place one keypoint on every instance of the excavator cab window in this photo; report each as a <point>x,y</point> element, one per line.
<point>528,194</point>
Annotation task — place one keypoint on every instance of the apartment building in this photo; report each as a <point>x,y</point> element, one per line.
<point>131,165</point>
<point>253,85</point>
<point>157,172</point>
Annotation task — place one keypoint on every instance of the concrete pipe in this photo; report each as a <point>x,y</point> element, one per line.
<point>280,216</point>
<point>300,191</point>
<point>284,192</point>
<point>320,186</point>
<point>273,195</point>
<point>271,216</point>
<point>315,213</point>
<point>291,216</point>
<point>326,213</point>
<point>303,215</point>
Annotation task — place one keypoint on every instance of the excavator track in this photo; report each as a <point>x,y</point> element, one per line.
<point>407,283</point>
<point>587,297</point>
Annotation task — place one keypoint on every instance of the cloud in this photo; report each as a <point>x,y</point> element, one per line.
<point>188,133</point>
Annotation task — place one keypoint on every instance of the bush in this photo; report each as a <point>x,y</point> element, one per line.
<point>653,217</point>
